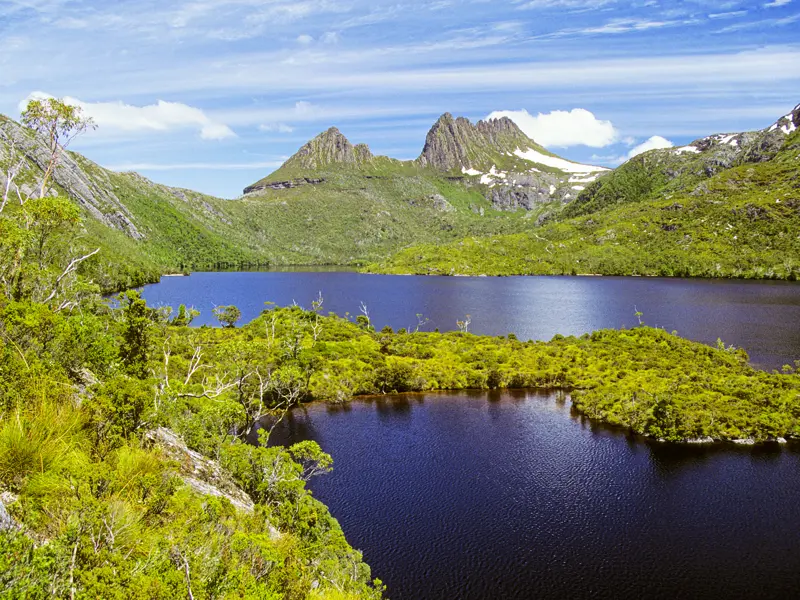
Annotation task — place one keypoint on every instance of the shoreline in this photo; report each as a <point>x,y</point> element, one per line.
<point>780,441</point>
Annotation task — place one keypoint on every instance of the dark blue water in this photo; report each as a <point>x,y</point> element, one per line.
<point>762,317</point>
<point>509,496</point>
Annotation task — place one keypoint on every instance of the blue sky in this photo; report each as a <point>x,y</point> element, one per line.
<point>214,94</point>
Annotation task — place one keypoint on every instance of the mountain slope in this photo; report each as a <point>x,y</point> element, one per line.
<point>682,170</point>
<point>493,160</point>
<point>332,203</point>
<point>724,209</point>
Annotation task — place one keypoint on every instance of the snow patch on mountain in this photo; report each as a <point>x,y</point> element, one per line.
<point>557,163</point>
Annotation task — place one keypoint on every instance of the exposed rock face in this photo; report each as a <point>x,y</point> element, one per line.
<point>456,144</point>
<point>330,147</point>
<point>200,473</point>
<point>92,193</point>
<point>6,522</point>
<point>716,153</point>
<point>493,153</point>
<point>512,170</point>
<point>513,198</point>
<point>283,185</point>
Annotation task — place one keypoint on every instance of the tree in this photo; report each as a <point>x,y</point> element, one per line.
<point>38,258</point>
<point>60,123</point>
<point>227,315</point>
<point>12,169</point>
<point>185,316</point>
<point>136,333</point>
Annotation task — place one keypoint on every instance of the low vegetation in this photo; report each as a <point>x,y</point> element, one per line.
<point>743,222</point>
<point>99,498</point>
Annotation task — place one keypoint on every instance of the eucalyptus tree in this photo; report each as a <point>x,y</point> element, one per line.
<point>39,250</point>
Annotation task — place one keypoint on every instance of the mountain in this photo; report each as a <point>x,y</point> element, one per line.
<point>331,203</point>
<point>143,228</point>
<point>493,159</point>
<point>726,205</point>
<point>683,169</point>
<point>481,198</point>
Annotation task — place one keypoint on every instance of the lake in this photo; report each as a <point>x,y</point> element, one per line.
<point>762,317</point>
<point>510,496</point>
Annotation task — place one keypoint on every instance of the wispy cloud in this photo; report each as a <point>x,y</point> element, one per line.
<point>704,69</point>
<point>571,4</point>
<point>159,75</point>
<point>209,166</point>
<point>762,24</point>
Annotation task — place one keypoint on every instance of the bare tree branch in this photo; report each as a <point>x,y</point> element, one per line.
<point>71,267</point>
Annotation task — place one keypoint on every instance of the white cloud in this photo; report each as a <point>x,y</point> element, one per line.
<point>775,3</point>
<point>162,116</point>
<point>569,4</point>
<point>562,129</point>
<point>304,39</point>
<point>654,143</point>
<point>626,25</point>
<point>727,15</point>
<point>304,108</point>
<point>365,71</point>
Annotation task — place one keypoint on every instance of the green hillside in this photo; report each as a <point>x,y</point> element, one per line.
<point>722,209</point>
<point>481,199</point>
<point>332,203</point>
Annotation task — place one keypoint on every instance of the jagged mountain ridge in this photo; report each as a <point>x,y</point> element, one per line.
<point>508,168</point>
<point>145,229</point>
<point>455,144</point>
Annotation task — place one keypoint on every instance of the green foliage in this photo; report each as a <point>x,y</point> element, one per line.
<point>228,316</point>
<point>57,122</point>
<point>185,316</point>
<point>137,323</point>
<point>120,513</point>
<point>106,512</point>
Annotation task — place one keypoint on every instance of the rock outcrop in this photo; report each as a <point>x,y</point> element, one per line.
<point>7,523</point>
<point>283,185</point>
<point>329,148</point>
<point>456,144</point>
<point>93,192</point>
<point>203,475</point>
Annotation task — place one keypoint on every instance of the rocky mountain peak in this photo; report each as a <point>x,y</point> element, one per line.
<point>457,143</point>
<point>330,147</point>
